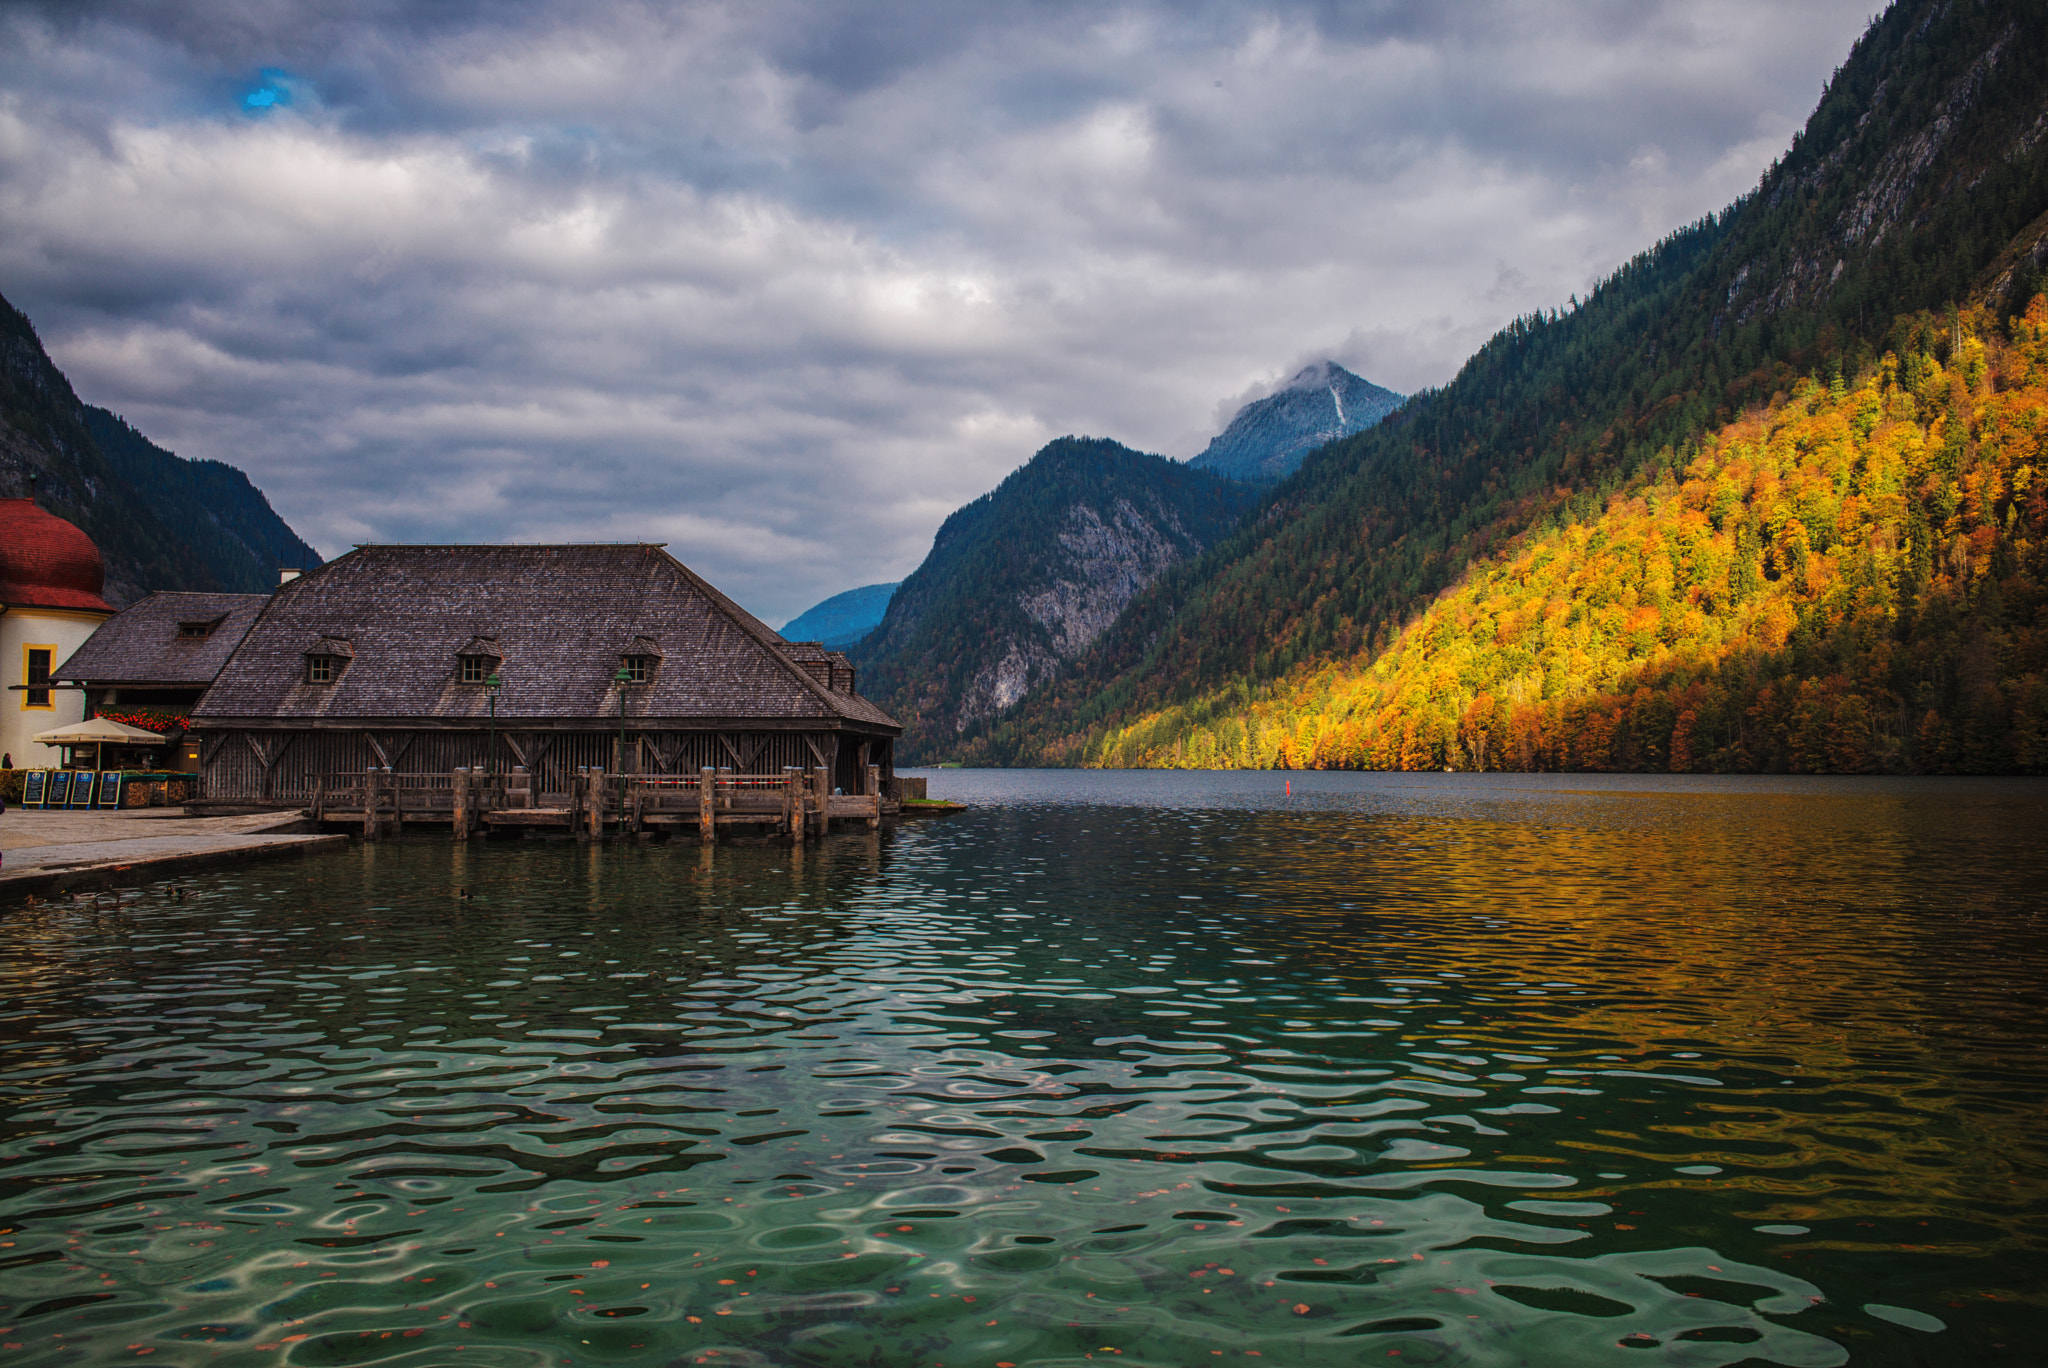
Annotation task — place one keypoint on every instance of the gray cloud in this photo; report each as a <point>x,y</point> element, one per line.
<point>784,283</point>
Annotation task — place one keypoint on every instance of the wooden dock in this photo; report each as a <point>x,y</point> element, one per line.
<point>793,805</point>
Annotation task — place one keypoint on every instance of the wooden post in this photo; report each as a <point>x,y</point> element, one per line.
<point>792,803</point>
<point>821,796</point>
<point>725,788</point>
<point>596,812</point>
<point>873,775</point>
<point>458,804</point>
<point>707,809</point>
<point>370,803</point>
<point>319,806</point>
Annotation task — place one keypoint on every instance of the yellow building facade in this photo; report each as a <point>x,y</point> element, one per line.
<point>51,579</point>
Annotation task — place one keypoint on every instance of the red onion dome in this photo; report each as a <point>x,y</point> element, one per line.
<point>45,562</point>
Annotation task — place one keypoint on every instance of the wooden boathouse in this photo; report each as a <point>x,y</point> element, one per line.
<point>589,687</point>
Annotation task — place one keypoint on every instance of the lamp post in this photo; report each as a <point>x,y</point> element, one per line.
<point>491,687</point>
<point>622,679</point>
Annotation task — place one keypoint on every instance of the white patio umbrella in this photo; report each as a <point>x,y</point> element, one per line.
<point>98,732</point>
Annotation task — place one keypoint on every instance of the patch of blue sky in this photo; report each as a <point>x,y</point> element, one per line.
<point>274,91</point>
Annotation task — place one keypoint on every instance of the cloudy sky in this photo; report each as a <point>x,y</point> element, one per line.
<point>783,282</point>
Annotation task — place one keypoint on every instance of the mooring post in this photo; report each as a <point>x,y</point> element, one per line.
<point>792,804</point>
<point>873,778</point>
<point>593,811</point>
<point>707,805</point>
<point>458,804</point>
<point>370,803</point>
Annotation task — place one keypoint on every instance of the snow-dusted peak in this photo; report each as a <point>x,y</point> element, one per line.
<point>1269,437</point>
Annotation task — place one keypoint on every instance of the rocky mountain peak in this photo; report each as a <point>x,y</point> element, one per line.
<point>1270,437</point>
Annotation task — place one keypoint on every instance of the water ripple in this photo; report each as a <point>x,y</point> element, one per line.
<point>1510,1074</point>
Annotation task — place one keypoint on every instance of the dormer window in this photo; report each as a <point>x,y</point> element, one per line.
<point>327,657</point>
<point>198,631</point>
<point>478,660</point>
<point>639,661</point>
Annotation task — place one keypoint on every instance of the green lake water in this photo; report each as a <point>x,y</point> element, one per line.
<point>1147,1068</point>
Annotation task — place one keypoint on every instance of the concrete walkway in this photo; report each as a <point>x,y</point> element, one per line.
<point>50,852</point>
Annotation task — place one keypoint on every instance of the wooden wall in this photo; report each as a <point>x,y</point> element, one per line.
<point>284,766</point>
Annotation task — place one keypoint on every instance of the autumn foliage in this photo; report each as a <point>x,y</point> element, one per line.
<point>1847,581</point>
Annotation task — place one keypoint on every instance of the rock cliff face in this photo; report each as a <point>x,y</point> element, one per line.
<point>1024,579</point>
<point>1110,562</point>
<point>1881,167</point>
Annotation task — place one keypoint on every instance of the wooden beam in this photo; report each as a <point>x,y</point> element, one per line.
<point>212,746</point>
<point>398,755</point>
<point>821,798</point>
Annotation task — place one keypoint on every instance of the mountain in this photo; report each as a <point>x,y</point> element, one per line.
<point>1907,222</point>
<point>160,522</point>
<point>843,619</point>
<point>1025,578</point>
<point>228,527</point>
<point>1781,603</point>
<point>1269,438</point>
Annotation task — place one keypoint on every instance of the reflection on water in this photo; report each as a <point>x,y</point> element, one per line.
<point>1158,1068</point>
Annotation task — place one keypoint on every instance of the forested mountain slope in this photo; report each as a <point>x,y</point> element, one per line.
<point>1848,581</point>
<point>160,522</point>
<point>1920,181</point>
<point>1027,576</point>
<point>229,529</point>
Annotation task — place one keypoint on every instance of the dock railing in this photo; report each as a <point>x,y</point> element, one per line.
<point>792,803</point>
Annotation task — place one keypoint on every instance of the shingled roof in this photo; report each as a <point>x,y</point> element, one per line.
<point>563,617</point>
<point>145,644</point>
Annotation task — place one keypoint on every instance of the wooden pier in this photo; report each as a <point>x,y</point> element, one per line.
<point>792,805</point>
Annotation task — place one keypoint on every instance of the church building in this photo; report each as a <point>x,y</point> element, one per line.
<point>51,579</point>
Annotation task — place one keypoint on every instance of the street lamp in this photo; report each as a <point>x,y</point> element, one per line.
<point>491,687</point>
<point>622,679</point>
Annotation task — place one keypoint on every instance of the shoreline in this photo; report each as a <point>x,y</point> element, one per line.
<point>61,853</point>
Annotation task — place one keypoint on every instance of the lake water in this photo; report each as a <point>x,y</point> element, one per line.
<point>1148,1068</point>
